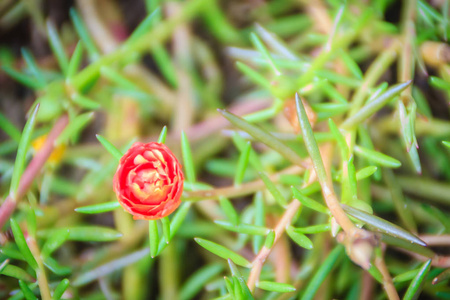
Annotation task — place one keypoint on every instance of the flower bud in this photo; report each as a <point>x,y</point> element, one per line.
<point>149,181</point>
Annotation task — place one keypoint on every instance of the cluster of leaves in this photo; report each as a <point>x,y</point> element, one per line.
<point>312,128</point>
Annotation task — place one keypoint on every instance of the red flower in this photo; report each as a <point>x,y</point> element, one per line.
<point>149,181</point>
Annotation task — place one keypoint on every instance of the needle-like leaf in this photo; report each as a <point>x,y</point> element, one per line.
<point>321,273</point>
<point>242,164</point>
<point>279,198</point>
<point>372,107</point>
<point>22,150</point>
<point>382,225</point>
<point>223,252</point>
<point>98,208</point>
<point>417,283</point>
<point>22,244</point>
<point>187,158</point>
<point>110,147</point>
<point>60,289</point>
<point>244,228</point>
<point>264,137</point>
<point>377,157</point>
<point>163,135</point>
<point>275,286</point>
<point>57,47</point>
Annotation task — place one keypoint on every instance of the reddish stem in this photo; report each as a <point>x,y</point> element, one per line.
<point>32,170</point>
<point>41,157</point>
<point>6,210</point>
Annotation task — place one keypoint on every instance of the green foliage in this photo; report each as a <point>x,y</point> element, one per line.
<point>86,233</point>
<point>153,237</point>
<point>22,244</point>
<point>162,135</point>
<point>242,164</point>
<point>223,252</point>
<point>60,289</point>
<point>57,47</point>
<point>240,285</point>
<point>417,283</point>
<point>74,127</point>
<point>382,225</point>
<point>229,210</point>
<point>299,238</point>
<point>243,228</point>
<point>308,202</point>
<point>98,208</point>
<point>321,273</point>
<point>276,287</point>
<point>319,99</point>
<point>16,272</point>
<point>75,60</point>
<point>279,198</point>
<point>377,157</point>
<point>187,158</point>
<point>9,128</point>
<point>26,291</point>
<point>376,104</point>
<point>198,280</point>
<point>22,150</point>
<point>55,241</point>
<point>110,147</point>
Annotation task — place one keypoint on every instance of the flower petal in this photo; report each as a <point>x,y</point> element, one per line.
<point>149,181</point>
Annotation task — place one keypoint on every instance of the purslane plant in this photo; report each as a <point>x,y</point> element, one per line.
<point>328,166</point>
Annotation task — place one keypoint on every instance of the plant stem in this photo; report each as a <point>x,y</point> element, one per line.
<point>41,157</point>
<point>259,260</point>
<point>279,229</point>
<point>40,272</point>
<point>367,286</point>
<point>437,261</point>
<point>387,280</point>
<point>32,170</point>
<point>6,210</point>
<point>323,176</point>
<point>169,273</point>
<point>436,240</point>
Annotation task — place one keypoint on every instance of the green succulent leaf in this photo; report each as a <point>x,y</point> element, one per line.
<point>243,228</point>
<point>299,238</point>
<point>16,272</point>
<point>24,145</point>
<point>382,225</point>
<point>22,244</point>
<point>308,202</point>
<point>98,208</point>
<point>275,287</point>
<point>377,157</point>
<point>198,280</point>
<point>61,288</point>
<point>223,252</point>
<point>417,283</point>
<point>116,153</point>
<point>187,158</point>
<point>27,292</point>
<point>86,233</point>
